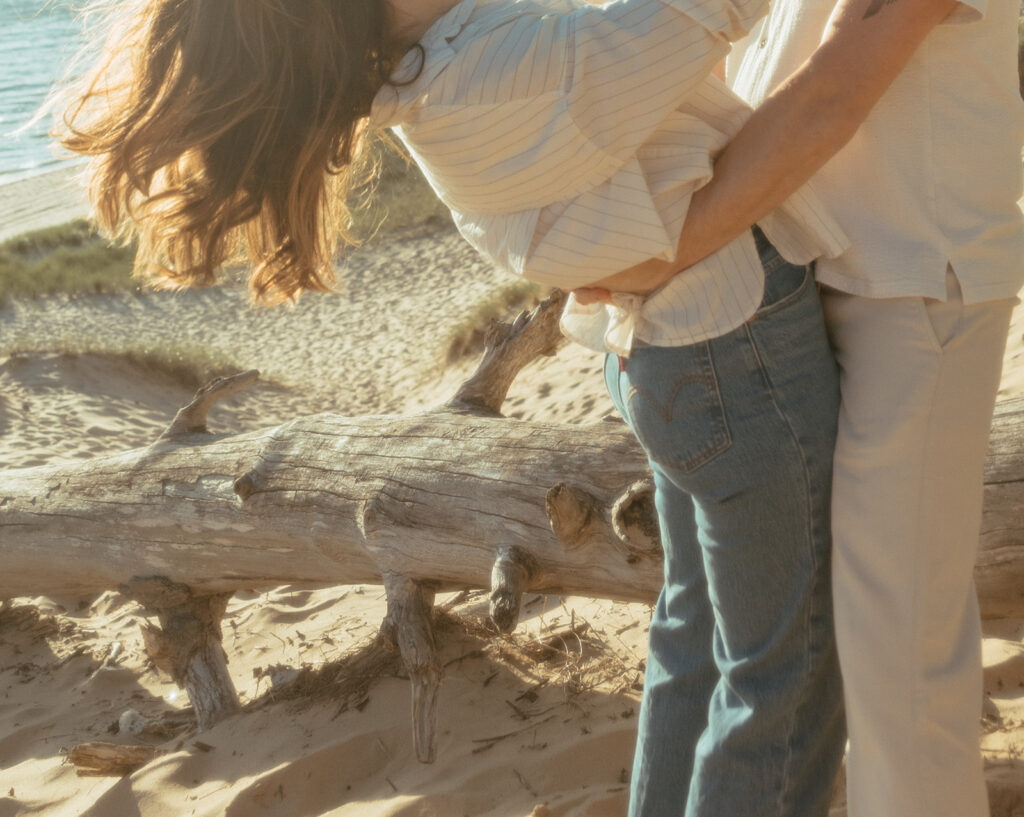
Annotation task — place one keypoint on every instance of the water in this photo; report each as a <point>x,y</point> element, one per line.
<point>37,39</point>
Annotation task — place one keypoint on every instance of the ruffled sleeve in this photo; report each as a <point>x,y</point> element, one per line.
<point>635,214</point>
<point>615,226</point>
<point>622,222</point>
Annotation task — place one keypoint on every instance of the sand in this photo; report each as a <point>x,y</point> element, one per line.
<point>42,201</point>
<point>520,734</point>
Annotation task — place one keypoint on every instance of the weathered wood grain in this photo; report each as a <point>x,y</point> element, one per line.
<point>457,497</point>
<point>328,500</point>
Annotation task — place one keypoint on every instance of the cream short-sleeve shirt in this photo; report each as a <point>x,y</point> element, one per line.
<point>933,177</point>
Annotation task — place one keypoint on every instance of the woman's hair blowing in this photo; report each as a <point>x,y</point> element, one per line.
<point>219,127</point>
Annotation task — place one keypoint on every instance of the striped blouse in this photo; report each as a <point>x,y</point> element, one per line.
<point>567,140</point>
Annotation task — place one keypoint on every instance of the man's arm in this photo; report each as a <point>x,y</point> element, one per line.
<point>806,120</point>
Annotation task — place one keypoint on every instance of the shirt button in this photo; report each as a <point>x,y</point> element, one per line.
<point>762,44</point>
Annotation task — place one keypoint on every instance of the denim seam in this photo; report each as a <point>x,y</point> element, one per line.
<point>712,373</point>
<point>788,763</point>
<point>773,263</point>
<point>787,299</point>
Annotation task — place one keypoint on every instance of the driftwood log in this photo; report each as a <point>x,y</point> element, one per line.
<point>457,497</point>
<point>999,569</point>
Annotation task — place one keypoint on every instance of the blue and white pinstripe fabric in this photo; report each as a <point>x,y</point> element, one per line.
<point>567,140</point>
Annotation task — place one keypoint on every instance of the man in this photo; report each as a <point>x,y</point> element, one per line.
<point>918,102</point>
<point>918,311</point>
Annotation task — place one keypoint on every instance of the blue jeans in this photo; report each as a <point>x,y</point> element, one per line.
<point>742,711</point>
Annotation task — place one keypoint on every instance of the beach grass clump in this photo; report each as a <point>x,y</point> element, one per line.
<point>466,337</point>
<point>71,259</point>
<point>187,364</point>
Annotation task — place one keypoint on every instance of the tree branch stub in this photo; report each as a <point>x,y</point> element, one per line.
<point>509,348</point>
<point>635,521</point>
<point>187,644</point>
<point>409,624</point>
<point>570,510</point>
<point>191,419</point>
<point>103,759</point>
<point>510,576</point>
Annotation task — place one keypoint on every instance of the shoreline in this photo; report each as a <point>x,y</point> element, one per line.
<point>44,200</point>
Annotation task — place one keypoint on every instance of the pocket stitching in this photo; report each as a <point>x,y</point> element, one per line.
<point>773,263</point>
<point>721,439</point>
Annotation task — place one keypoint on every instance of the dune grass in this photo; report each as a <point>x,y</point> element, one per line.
<point>71,259</point>
<point>188,365</point>
<point>467,337</point>
<point>74,259</point>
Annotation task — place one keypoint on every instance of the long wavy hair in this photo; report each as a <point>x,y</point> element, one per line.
<point>220,129</point>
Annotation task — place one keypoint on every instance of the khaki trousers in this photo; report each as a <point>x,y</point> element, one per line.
<point>918,380</point>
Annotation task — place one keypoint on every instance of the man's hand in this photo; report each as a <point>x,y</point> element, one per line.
<point>592,295</point>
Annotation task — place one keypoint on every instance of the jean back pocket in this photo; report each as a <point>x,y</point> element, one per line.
<point>674,406</point>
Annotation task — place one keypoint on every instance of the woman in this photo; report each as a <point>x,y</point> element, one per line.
<point>567,140</point>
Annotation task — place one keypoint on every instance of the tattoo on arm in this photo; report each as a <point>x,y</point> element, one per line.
<point>875,7</point>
